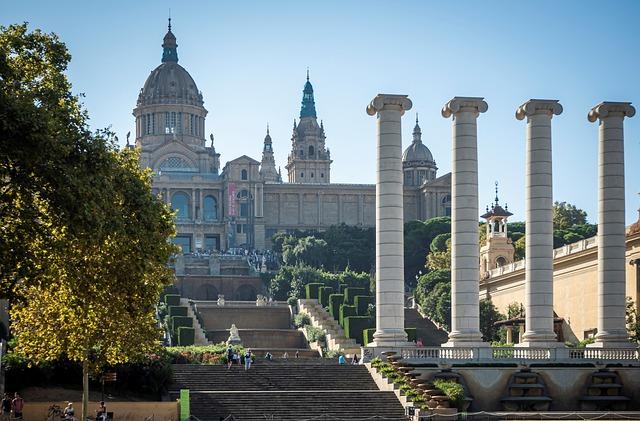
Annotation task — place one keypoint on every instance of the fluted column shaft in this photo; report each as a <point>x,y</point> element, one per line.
<point>612,330</point>
<point>389,221</point>
<point>465,272</point>
<point>539,219</point>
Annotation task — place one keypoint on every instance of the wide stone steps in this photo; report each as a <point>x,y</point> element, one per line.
<point>270,376</point>
<point>430,334</point>
<point>335,337</point>
<point>296,405</point>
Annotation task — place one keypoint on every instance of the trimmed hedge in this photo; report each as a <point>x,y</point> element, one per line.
<point>351,292</point>
<point>177,311</point>
<point>367,335</point>
<point>411,334</point>
<point>335,300</point>
<point>346,311</point>
<point>186,336</point>
<point>362,304</point>
<point>311,290</point>
<point>172,299</point>
<point>354,325</point>
<point>323,295</point>
<point>342,287</point>
<point>180,321</point>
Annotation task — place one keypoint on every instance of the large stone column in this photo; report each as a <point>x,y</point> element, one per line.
<point>539,218</point>
<point>389,221</point>
<point>465,270</point>
<point>612,332</point>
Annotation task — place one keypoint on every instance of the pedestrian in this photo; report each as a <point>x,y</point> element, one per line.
<point>268,356</point>
<point>297,354</point>
<point>17,405</point>
<point>342,360</point>
<point>69,413</point>
<point>101,412</point>
<point>6,406</point>
<point>285,355</point>
<point>354,360</point>
<point>247,359</point>
<point>229,357</point>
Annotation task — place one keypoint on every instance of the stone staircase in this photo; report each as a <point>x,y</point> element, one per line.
<point>284,390</point>
<point>199,333</point>
<point>431,335</point>
<point>335,337</point>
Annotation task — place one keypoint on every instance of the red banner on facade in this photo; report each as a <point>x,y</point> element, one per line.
<point>231,200</point>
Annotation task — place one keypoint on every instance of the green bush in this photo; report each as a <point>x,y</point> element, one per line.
<point>346,311</point>
<point>312,290</point>
<point>186,336</point>
<point>335,300</point>
<point>323,295</point>
<point>367,335</point>
<point>342,287</point>
<point>177,311</point>
<point>351,292</point>
<point>315,334</point>
<point>354,325</point>
<point>180,321</point>
<point>172,299</point>
<point>411,334</point>
<point>301,319</point>
<point>362,304</point>
<point>453,390</point>
<point>292,301</point>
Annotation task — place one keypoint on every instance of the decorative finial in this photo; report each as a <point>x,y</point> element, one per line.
<point>307,73</point>
<point>169,19</point>
<point>496,192</point>
<point>267,128</point>
<point>506,207</point>
<point>416,118</point>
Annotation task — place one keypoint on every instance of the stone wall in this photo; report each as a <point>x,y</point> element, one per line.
<point>245,317</point>
<point>263,338</point>
<point>208,287</point>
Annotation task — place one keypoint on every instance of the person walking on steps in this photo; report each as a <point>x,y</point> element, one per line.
<point>229,357</point>
<point>17,405</point>
<point>247,359</point>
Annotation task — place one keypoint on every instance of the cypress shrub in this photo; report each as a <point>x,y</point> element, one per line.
<point>367,335</point>
<point>354,327</point>
<point>186,336</point>
<point>180,321</point>
<point>335,300</point>
<point>346,311</point>
<point>351,292</point>
<point>362,304</point>
<point>172,300</point>
<point>311,290</point>
<point>411,334</point>
<point>323,295</point>
<point>177,311</point>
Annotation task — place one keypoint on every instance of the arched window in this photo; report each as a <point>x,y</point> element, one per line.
<point>244,175</point>
<point>301,175</point>
<point>501,261</point>
<point>210,208</point>
<point>446,204</point>
<point>311,151</point>
<point>301,152</point>
<point>180,203</point>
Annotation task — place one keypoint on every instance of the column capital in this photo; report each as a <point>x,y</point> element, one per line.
<point>532,107</point>
<point>459,104</point>
<point>389,102</point>
<point>607,109</point>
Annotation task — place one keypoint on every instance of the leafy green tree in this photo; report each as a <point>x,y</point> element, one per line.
<point>433,293</point>
<point>489,315</point>
<point>566,215</point>
<point>307,250</point>
<point>85,239</point>
<point>418,236</point>
<point>633,321</point>
<point>440,259</point>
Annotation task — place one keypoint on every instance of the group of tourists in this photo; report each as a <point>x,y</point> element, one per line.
<point>235,357</point>
<point>342,360</point>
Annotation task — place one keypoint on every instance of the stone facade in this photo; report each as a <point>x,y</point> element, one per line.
<point>245,202</point>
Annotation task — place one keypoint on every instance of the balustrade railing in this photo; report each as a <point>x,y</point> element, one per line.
<point>604,354</point>
<point>511,353</point>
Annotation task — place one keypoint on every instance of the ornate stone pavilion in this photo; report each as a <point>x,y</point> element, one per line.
<point>245,201</point>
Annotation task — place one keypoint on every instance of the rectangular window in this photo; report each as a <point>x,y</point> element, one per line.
<point>192,124</point>
<point>244,210</point>
<point>211,243</point>
<point>153,123</point>
<point>173,123</point>
<point>184,242</point>
<point>239,228</point>
<point>148,128</point>
<point>143,124</point>
<point>167,123</point>
<point>179,124</point>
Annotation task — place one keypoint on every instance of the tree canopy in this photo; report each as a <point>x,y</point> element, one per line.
<point>83,245</point>
<point>566,215</point>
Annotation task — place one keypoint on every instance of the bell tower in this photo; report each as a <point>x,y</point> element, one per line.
<point>497,250</point>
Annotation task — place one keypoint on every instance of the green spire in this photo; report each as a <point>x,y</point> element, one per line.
<point>308,104</point>
<point>169,47</point>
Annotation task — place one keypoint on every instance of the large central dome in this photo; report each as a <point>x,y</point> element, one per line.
<point>170,83</point>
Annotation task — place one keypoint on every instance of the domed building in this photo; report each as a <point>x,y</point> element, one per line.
<point>244,203</point>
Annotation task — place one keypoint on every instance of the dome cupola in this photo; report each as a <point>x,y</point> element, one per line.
<point>417,161</point>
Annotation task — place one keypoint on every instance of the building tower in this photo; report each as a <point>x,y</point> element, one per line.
<point>309,161</point>
<point>268,170</point>
<point>170,109</point>
<point>497,250</point>
<point>418,164</point>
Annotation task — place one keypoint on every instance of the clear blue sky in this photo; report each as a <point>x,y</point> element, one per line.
<point>249,59</point>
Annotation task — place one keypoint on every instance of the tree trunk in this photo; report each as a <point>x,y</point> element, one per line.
<point>85,389</point>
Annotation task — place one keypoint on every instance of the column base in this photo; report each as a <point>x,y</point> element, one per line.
<point>390,338</point>
<point>541,337</point>
<point>612,339</point>
<point>539,344</point>
<point>468,339</point>
<point>465,344</point>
